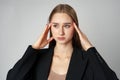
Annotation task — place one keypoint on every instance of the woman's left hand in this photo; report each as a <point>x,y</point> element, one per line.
<point>86,44</point>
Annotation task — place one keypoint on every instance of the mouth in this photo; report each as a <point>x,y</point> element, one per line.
<point>61,38</point>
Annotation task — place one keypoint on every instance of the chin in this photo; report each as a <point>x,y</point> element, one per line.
<point>63,42</point>
<point>60,42</point>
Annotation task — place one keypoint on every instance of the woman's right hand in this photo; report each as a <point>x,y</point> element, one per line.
<point>42,40</point>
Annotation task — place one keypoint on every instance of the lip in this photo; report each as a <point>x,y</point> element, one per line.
<point>61,38</point>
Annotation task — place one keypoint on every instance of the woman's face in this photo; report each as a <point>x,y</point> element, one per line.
<point>62,28</point>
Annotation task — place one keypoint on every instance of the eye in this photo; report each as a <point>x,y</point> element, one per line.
<point>55,25</point>
<point>67,26</point>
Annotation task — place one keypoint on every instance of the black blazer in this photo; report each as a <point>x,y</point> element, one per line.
<point>84,65</point>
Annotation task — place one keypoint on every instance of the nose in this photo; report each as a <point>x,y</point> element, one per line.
<point>61,31</point>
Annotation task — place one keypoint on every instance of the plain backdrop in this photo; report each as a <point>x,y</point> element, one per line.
<point>22,22</point>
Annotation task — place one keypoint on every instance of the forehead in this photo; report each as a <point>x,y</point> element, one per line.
<point>61,18</point>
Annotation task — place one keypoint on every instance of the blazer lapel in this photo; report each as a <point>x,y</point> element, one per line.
<point>77,66</point>
<point>43,65</point>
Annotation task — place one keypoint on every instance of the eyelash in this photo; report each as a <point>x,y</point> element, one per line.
<point>67,26</point>
<point>56,26</point>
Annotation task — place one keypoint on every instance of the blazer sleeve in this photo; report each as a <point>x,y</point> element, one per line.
<point>100,68</point>
<point>23,66</point>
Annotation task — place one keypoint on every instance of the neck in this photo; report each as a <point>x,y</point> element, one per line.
<point>63,50</point>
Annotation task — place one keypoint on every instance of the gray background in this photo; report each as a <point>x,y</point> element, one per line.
<point>22,21</point>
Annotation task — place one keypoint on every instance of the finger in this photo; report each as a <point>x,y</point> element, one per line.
<point>76,28</point>
<point>50,39</point>
<point>47,29</point>
<point>49,25</point>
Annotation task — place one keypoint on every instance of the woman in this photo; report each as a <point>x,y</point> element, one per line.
<point>70,55</point>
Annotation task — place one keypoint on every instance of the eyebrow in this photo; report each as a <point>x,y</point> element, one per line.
<point>68,23</point>
<point>54,23</point>
<point>63,23</point>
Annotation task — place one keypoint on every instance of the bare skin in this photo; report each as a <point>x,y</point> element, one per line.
<point>86,44</point>
<point>63,50</point>
<point>43,41</point>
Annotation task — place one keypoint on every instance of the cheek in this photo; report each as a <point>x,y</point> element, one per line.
<point>53,31</point>
<point>71,31</point>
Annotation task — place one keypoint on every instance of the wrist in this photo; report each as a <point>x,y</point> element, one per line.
<point>35,47</point>
<point>86,47</point>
